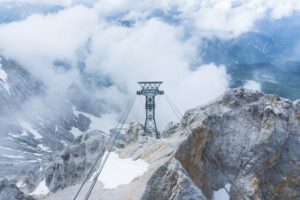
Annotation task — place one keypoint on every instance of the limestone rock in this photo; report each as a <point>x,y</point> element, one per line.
<point>244,138</point>
<point>132,134</point>
<point>9,191</point>
<point>75,161</point>
<point>169,178</point>
<point>170,129</point>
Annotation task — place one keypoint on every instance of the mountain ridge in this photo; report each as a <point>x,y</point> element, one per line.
<point>238,141</point>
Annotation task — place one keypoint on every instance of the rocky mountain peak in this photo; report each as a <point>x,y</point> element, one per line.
<point>244,141</point>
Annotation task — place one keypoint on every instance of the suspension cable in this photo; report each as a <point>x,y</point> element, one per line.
<point>116,135</point>
<point>178,113</point>
<point>103,150</point>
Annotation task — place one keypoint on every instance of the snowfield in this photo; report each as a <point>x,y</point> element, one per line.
<point>119,171</point>
<point>3,79</point>
<point>221,194</point>
<point>76,132</point>
<point>41,189</point>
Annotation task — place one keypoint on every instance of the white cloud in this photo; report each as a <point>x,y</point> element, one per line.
<point>48,37</point>
<point>40,40</point>
<point>283,8</point>
<point>252,85</point>
<point>150,50</point>
<point>155,51</point>
<point>222,19</point>
<point>230,18</point>
<point>50,2</point>
<point>64,3</point>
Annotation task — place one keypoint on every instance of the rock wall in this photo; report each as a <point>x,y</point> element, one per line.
<point>169,178</point>
<point>36,123</point>
<point>76,161</point>
<point>9,191</point>
<point>245,138</point>
<point>132,134</point>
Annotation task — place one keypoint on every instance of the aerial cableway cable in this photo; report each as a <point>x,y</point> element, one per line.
<point>116,135</point>
<point>205,154</point>
<point>111,140</point>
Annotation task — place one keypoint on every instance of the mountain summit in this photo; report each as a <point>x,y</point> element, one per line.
<point>243,145</point>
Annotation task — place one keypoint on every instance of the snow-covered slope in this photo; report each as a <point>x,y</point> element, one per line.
<point>3,79</point>
<point>33,127</point>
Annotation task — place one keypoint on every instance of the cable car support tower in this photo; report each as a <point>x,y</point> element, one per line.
<point>150,89</point>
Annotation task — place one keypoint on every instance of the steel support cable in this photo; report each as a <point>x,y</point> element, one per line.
<point>175,109</point>
<point>172,108</point>
<point>116,135</point>
<point>102,151</point>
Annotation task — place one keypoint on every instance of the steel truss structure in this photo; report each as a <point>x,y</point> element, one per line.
<point>150,89</point>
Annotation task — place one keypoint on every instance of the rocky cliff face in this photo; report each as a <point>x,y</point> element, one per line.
<point>9,191</point>
<point>36,125</point>
<point>246,139</point>
<point>172,181</point>
<point>76,161</point>
<point>131,135</point>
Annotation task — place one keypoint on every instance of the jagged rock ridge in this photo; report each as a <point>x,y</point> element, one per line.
<point>75,161</point>
<point>9,191</point>
<point>244,138</point>
<point>35,124</point>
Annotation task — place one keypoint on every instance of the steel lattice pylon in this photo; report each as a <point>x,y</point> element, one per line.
<point>150,89</point>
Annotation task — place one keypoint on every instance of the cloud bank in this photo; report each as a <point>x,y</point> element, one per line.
<point>159,42</point>
<point>39,41</point>
<point>252,85</point>
<point>65,3</point>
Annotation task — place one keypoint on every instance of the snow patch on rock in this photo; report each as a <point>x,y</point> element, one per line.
<point>3,79</point>
<point>28,127</point>
<point>41,189</point>
<point>21,184</point>
<point>119,171</point>
<point>44,148</point>
<point>222,194</point>
<point>14,156</point>
<point>76,132</point>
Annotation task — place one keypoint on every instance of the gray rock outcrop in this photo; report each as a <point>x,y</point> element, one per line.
<point>170,129</point>
<point>169,178</point>
<point>76,161</point>
<point>36,124</point>
<point>245,138</point>
<point>9,191</point>
<point>131,135</point>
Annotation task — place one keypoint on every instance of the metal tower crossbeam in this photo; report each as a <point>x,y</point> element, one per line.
<point>150,89</point>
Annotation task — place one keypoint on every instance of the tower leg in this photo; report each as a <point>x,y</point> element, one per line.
<point>150,123</point>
